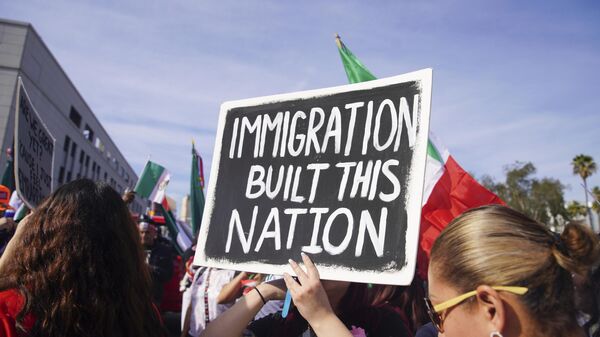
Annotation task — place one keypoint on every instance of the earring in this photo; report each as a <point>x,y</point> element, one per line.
<point>496,334</point>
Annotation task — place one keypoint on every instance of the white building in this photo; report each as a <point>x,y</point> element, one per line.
<point>83,148</point>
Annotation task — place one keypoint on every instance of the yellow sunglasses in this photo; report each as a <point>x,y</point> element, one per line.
<point>435,311</point>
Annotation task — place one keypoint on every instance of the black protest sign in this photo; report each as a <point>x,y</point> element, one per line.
<point>34,152</point>
<point>337,173</point>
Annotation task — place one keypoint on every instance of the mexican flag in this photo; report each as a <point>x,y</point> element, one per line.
<point>449,190</point>
<point>196,190</point>
<point>153,182</point>
<point>179,232</point>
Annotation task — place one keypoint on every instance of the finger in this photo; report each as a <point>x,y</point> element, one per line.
<point>290,283</point>
<point>311,269</point>
<point>299,272</point>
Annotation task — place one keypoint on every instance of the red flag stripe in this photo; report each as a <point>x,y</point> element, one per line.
<point>454,193</point>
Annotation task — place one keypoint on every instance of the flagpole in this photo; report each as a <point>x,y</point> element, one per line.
<point>338,40</point>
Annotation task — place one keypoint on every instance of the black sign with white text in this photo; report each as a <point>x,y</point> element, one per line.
<point>337,173</point>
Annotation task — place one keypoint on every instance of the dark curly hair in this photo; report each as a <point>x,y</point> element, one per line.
<point>80,267</point>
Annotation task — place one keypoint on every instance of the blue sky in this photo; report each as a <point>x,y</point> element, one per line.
<point>513,80</point>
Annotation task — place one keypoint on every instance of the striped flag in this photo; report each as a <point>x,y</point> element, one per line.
<point>449,190</point>
<point>153,182</point>
<point>180,233</point>
<point>196,190</point>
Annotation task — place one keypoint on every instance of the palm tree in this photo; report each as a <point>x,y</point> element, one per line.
<point>596,202</point>
<point>584,166</point>
<point>575,209</point>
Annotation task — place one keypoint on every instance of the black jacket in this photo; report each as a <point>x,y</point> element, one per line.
<point>160,261</point>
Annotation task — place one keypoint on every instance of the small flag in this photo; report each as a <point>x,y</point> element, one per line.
<point>153,182</point>
<point>196,191</point>
<point>180,235</point>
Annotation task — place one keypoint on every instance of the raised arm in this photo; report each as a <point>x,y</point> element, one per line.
<point>233,321</point>
<point>232,290</point>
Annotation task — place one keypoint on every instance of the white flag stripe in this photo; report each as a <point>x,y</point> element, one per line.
<point>158,192</point>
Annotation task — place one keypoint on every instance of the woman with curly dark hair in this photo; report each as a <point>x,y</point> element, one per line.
<point>75,268</point>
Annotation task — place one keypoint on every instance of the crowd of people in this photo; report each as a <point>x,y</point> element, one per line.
<point>80,265</point>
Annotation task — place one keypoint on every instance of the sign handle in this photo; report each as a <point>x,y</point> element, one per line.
<point>286,304</point>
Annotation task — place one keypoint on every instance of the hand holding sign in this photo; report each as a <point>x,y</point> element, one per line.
<point>309,295</point>
<point>312,301</point>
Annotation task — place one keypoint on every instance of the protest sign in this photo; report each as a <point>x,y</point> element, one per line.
<point>337,173</point>
<point>34,151</point>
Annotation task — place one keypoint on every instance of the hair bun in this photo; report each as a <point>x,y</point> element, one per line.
<point>578,248</point>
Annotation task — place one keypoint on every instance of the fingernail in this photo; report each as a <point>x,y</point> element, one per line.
<point>302,253</point>
<point>290,261</point>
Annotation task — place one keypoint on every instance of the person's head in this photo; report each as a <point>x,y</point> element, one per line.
<point>335,290</point>
<point>78,261</point>
<point>495,246</point>
<point>148,233</point>
<point>407,298</point>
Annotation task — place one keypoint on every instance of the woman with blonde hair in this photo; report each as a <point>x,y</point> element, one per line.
<point>495,272</point>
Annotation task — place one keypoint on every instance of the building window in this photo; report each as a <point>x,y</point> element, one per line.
<point>88,133</point>
<point>87,160</point>
<point>68,176</point>
<point>61,175</point>
<point>75,117</point>
<point>67,143</point>
<point>81,156</point>
<point>73,149</point>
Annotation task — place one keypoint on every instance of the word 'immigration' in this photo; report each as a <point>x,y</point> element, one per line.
<point>287,140</point>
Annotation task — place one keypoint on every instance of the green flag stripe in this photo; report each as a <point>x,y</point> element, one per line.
<point>355,70</point>
<point>148,180</point>
<point>196,193</point>
<point>21,212</point>
<point>433,152</point>
<point>172,227</point>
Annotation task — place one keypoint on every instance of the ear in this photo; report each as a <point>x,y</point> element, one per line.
<point>489,300</point>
